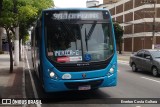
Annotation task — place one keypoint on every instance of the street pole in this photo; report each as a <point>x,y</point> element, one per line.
<point>153,26</point>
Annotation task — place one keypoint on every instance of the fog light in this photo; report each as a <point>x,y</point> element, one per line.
<point>52,74</point>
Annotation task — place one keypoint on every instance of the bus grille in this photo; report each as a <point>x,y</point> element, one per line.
<point>90,67</point>
<point>75,85</point>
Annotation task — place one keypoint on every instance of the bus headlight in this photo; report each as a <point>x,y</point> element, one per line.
<point>111,71</point>
<point>51,74</point>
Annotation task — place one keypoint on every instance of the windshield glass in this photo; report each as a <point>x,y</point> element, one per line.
<point>78,41</point>
<point>155,54</point>
<point>97,41</point>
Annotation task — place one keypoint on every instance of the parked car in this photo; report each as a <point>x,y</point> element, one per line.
<point>147,60</point>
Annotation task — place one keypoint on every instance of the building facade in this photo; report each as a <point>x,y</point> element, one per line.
<point>137,19</point>
<point>3,40</point>
<point>92,3</point>
<point>110,1</point>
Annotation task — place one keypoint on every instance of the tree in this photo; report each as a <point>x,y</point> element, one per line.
<point>118,35</point>
<point>20,13</point>
<point>29,12</point>
<point>26,38</point>
<point>7,22</point>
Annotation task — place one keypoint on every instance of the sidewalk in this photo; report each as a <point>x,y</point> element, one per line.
<point>10,83</point>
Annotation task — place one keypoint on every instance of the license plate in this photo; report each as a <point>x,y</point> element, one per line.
<point>85,87</point>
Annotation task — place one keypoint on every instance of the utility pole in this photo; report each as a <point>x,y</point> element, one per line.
<point>153,26</point>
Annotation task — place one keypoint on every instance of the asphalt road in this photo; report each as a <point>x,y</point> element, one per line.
<point>130,85</point>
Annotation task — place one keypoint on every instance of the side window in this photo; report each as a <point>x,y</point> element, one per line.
<point>140,54</point>
<point>147,54</point>
<point>38,34</point>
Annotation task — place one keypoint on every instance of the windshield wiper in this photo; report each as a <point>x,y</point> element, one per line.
<point>91,30</point>
<point>86,39</point>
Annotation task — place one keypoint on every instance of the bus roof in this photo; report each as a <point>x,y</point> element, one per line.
<point>99,9</point>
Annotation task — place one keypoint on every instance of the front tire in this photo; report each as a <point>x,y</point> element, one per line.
<point>155,72</point>
<point>134,68</point>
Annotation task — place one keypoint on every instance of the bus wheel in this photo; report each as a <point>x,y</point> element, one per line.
<point>32,62</point>
<point>41,83</point>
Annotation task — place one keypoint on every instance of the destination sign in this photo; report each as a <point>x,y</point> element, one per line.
<point>66,53</point>
<point>80,15</point>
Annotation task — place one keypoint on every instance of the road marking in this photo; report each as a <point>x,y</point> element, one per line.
<point>33,85</point>
<point>23,81</point>
<point>150,79</point>
<point>123,62</point>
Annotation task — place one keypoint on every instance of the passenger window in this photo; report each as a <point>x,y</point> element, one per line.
<point>140,54</point>
<point>147,55</point>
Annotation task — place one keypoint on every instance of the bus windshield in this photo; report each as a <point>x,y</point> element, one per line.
<point>72,41</point>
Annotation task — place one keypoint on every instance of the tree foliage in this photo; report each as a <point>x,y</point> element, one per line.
<point>1,1</point>
<point>28,11</point>
<point>22,13</point>
<point>26,38</point>
<point>118,35</point>
<point>7,18</point>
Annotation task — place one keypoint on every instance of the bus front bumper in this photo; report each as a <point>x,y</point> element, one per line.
<point>83,84</point>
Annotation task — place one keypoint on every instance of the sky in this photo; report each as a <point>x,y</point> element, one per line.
<point>71,3</point>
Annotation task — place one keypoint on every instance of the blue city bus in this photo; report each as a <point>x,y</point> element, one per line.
<point>74,49</point>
